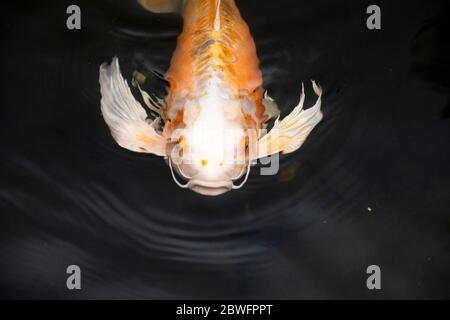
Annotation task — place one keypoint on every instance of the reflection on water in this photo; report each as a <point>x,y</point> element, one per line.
<point>69,195</point>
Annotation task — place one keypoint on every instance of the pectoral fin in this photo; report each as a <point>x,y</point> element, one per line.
<point>125,116</point>
<point>289,134</point>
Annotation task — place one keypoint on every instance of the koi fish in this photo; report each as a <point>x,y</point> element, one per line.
<point>211,125</point>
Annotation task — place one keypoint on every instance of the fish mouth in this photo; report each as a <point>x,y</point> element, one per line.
<point>210,188</point>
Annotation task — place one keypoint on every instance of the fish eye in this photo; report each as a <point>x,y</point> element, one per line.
<point>181,145</point>
<point>181,141</point>
<point>244,142</point>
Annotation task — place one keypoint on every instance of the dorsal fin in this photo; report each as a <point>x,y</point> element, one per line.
<point>217,17</point>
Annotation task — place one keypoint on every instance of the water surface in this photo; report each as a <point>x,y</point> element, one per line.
<point>370,185</point>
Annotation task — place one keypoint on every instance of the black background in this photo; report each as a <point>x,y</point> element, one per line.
<point>70,195</point>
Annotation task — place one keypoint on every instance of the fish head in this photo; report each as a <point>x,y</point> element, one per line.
<point>210,159</point>
<point>211,150</point>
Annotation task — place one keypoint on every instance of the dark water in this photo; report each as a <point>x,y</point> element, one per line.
<point>70,195</point>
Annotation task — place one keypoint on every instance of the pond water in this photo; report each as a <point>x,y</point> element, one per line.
<point>370,185</point>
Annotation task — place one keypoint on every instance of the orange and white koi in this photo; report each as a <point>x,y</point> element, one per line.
<point>211,125</point>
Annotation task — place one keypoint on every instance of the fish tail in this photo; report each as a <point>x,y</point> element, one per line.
<point>162,6</point>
